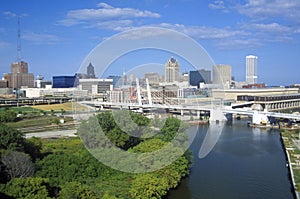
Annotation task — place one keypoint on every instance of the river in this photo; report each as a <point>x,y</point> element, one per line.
<point>245,163</point>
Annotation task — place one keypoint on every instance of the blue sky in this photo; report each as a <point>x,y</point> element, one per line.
<point>58,35</point>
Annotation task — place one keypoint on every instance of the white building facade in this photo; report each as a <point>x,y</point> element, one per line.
<point>172,70</point>
<point>251,69</point>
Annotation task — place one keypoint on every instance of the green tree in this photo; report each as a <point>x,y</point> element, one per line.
<point>77,190</point>
<point>62,111</point>
<point>118,127</point>
<point>148,186</point>
<point>55,121</point>
<point>8,116</point>
<point>10,138</point>
<point>33,147</point>
<point>170,129</point>
<point>28,188</point>
<point>66,167</point>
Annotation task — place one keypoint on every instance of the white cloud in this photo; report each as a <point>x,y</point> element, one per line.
<point>142,33</point>
<point>40,39</point>
<point>116,25</point>
<point>218,5</point>
<point>274,28</point>
<point>105,12</point>
<point>12,15</point>
<point>9,14</point>
<point>205,32</point>
<point>104,5</point>
<point>288,9</point>
<point>236,44</point>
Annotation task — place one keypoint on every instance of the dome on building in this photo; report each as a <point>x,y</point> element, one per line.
<point>257,107</point>
<point>173,60</point>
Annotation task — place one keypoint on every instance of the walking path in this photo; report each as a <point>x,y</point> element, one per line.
<point>53,134</point>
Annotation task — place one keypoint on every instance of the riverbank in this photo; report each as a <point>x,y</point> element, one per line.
<point>291,144</point>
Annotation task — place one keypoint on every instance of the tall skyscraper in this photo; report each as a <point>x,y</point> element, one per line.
<point>90,71</point>
<point>222,74</point>
<point>172,70</point>
<point>19,76</point>
<point>251,69</point>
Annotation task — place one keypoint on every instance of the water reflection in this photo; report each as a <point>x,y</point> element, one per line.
<point>212,136</point>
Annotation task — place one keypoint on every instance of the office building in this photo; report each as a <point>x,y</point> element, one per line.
<point>19,76</point>
<point>251,69</point>
<point>54,92</point>
<point>153,78</point>
<point>63,81</point>
<point>222,74</point>
<point>3,83</point>
<point>96,86</point>
<point>41,83</point>
<point>185,77</point>
<point>172,70</point>
<point>90,71</point>
<point>198,76</point>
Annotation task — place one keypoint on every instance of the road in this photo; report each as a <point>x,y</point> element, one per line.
<point>53,134</point>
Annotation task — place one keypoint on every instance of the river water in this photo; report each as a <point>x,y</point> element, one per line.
<point>245,163</point>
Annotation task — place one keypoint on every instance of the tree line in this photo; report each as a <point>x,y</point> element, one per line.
<point>64,168</point>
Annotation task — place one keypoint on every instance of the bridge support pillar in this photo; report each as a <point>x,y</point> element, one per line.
<point>217,115</point>
<point>198,114</point>
<point>181,112</point>
<point>259,118</point>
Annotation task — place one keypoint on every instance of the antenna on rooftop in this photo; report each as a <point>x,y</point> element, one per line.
<point>19,41</point>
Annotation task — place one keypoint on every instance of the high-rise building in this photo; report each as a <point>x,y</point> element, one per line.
<point>197,76</point>
<point>172,70</point>
<point>222,74</point>
<point>19,67</point>
<point>90,71</point>
<point>153,78</point>
<point>19,76</point>
<point>251,69</point>
<point>3,83</point>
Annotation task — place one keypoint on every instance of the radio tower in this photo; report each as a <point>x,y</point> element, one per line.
<point>19,41</point>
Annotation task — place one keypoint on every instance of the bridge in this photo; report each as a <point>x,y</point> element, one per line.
<point>216,111</point>
<point>216,108</point>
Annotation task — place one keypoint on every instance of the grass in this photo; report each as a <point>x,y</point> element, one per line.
<point>289,144</point>
<point>32,122</point>
<point>117,180</point>
<point>67,145</point>
<point>68,106</point>
<point>21,109</point>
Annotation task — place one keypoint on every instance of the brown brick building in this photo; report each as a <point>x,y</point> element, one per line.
<point>19,76</point>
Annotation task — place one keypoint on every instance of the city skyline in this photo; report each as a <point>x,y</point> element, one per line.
<point>56,40</point>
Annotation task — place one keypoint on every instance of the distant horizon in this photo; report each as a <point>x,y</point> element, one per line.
<point>49,78</point>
